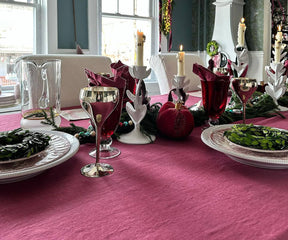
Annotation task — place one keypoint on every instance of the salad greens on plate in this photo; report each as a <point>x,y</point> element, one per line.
<point>258,137</point>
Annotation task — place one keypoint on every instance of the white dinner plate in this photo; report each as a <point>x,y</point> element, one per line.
<point>62,147</point>
<point>214,138</point>
<point>6,97</point>
<point>7,103</point>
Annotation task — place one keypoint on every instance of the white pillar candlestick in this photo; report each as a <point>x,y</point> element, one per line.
<point>181,62</point>
<point>137,110</point>
<point>139,48</point>
<point>241,33</point>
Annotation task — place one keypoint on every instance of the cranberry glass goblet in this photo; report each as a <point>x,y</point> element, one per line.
<point>214,97</point>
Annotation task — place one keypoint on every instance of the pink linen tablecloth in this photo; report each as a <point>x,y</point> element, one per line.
<point>165,190</point>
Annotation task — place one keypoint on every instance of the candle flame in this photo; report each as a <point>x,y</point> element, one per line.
<point>279,28</point>
<point>242,20</point>
<point>181,47</point>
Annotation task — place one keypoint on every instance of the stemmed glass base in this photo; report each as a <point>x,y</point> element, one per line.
<point>106,150</point>
<point>210,123</point>
<point>213,122</point>
<point>96,170</point>
<point>106,153</point>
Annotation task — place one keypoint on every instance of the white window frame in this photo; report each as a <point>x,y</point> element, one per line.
<point>38,31</point>
<point>37,21</point>
<point>94,27</point>
<point>153,17</point>
<point>50,36</point>
<point>52,29</point>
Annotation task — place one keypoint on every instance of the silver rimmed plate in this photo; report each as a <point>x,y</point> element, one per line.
<point>214,138</point>
<point>62,147</point>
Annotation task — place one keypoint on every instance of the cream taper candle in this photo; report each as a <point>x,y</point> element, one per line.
<point>279,34</point>
<point>241,33</point>
<point>181,62</point>
<point>278,44</point>
<point>140,46</point>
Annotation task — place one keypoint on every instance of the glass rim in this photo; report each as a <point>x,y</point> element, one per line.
<point>244,78</point>
<point>42,60</point>
<point>93,88</point>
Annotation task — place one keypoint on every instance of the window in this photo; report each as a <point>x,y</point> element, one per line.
<point>120,21</point>
<point>17,37</point>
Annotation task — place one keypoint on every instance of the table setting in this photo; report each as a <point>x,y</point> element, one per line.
<point>119,106</point>
<point>194,166</point>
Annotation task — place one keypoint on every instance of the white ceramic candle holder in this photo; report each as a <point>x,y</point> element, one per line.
<point>242,60</point>
<point>138,110</point>
<point>276,81</point>
<point>179,83</point>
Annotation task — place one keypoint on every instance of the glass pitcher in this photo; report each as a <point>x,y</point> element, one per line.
<point>40,87</point>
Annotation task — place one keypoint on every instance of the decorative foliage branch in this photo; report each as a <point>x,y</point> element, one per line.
<point>261,105</point>
<point>165,16</point>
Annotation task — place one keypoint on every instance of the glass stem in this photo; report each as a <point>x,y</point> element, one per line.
<point>244,113</point>
<point>105,144</point>
<point>98,136</point>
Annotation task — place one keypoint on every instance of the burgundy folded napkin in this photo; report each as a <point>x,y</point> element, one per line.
<point>121,70</point>
<point>211,64</point>
<point>106,81</point>
<point>286,66</point>
<point>207,75</point>
<point>121,79</point>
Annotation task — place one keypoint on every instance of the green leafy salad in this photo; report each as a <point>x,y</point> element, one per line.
<point>259,137</point>
<point>21,143</point>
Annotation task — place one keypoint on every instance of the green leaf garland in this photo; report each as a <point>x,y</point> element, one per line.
<point>261,105</point>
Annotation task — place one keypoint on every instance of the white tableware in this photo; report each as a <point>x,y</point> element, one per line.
<point>62,147</point>
<point>214,138</point>
<point>7,99</point>
<point>23,158</point>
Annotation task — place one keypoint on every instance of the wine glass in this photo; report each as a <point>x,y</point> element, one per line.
<point>244,89</point>
<point>98,102</point>
<point>109,127</point>
<point>214,97</point>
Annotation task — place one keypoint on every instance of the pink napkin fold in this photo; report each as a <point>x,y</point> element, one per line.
<point>207,75</point>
